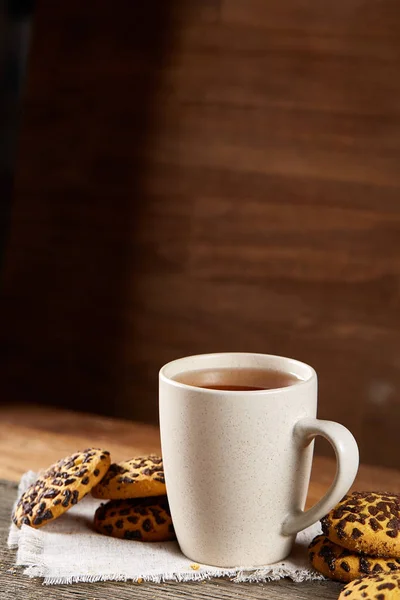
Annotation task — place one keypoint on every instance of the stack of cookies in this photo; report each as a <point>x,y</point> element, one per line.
<point>361,536</point>
<point>138,506</point>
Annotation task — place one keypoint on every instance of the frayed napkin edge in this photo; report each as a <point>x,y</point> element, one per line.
<point>235,577</point>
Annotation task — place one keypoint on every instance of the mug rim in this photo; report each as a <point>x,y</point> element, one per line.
<point>168,379</point>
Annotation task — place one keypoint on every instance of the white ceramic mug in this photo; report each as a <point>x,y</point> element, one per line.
<point>237,464</point>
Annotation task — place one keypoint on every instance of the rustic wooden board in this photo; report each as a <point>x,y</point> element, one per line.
<point>15,585</point>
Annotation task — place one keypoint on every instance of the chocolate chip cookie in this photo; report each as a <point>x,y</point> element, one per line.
<point>373,587</point>
<point>140,519</point>
<point>367,522</point>
<point>60,487</point>
<point>138,477</point>
<point>341,564</point>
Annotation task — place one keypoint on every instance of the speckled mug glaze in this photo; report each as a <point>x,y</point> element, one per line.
<point>237,464</point>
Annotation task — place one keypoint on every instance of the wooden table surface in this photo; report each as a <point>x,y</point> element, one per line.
<point>32,438</point>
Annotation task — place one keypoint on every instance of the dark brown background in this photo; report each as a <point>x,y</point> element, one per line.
<point>208,175</point>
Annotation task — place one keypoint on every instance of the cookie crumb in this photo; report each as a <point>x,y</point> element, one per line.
<point>140,580</point>
<point>195,566</point>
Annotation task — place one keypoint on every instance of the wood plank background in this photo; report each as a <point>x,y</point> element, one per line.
<point>208,175</point>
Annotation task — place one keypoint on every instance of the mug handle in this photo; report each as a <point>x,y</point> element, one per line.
<point>347,458</point>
